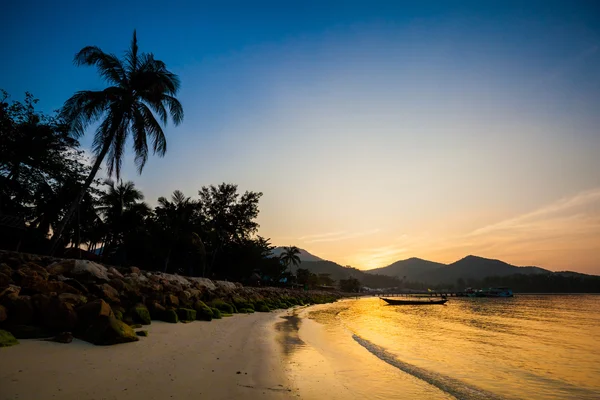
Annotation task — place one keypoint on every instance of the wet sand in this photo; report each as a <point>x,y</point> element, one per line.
<point>236,357</point>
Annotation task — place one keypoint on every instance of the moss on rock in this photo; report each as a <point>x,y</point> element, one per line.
<point>141,314</point>
<point>142,333</point>
<point>186,314</point>
<point>170,316</point>
<point>7,339</point>
<point>246,311</point>
<point>203,312</point>
<point>263,308</point>
<point>216,313</point>
<point>222,306</point>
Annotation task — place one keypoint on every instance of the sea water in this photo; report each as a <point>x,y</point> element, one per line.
<point>525,347</point>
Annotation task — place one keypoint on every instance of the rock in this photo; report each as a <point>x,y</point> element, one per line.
<point>98,325</point>
<point>22,312</point>
<point>5,269</point>
<point>203,283</point>
<point>3,314</point>
<point>7,339</point>
<point>136,326</point>
<point>108,292</point>
<point>112,272</point>
<point>134,270</point>
<point>172,300</point>
<point>203,312</point>
<point>37,284</point>
<point>28,331</point>
<point>216,313</point>
<point>186,314</point>
<point>83,270</point>
<point>5,280</point>
<point>75,299</point>
<point>225,286</point>
<point>141,314</point>
<point>64,337</point>
<point>170,316</point>
<point>142,333</point>
<point>59,316</point>
<point>30,268</point>
<point>157,310</point>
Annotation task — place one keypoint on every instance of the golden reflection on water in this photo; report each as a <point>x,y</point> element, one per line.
<point>537,347</point>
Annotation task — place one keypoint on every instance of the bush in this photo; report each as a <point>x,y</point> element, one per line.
<point>203,312</point>
<point>216,313</point>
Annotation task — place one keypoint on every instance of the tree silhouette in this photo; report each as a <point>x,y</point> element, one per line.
<point>290,256</point>
<point>140,87</point>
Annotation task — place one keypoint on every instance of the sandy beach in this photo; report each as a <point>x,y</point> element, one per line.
<point>235,357</point>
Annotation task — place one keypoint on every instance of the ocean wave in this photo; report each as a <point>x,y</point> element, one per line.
<point>452,386</point>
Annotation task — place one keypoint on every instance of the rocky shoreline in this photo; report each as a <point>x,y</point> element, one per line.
<point>57,299</point>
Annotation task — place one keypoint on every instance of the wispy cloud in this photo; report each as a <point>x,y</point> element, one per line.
<point>322,235</point>
<point>339,236</point>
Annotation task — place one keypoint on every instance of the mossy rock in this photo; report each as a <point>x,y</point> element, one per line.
<point>141,314</point>
<point>263,308</point>
<point>226,315</point>
<point>142,333</point>
<point>7,339</point>
<point>136,326</point>
<point>118,315</point>
<point>240,304</point>
<point>223,306</point>
<point>203,312</point>
<point>170,316</point>
<point>186,314</point>
<point>117,332</point>
<point>246,311</point>
<point>216,313</point>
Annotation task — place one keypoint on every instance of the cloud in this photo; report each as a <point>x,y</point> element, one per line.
<point>322,235</point>
<point>338,236</point>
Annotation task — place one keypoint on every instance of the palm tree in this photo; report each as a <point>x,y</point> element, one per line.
<point>290,256</point>
<point>140,87</point>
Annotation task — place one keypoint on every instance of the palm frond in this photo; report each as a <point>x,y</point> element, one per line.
<point>109,66</point>
<point>154,130</point>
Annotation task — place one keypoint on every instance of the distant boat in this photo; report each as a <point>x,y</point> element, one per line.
<point>407,302</point>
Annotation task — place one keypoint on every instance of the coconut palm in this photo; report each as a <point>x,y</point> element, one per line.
<point>140,89</point>
<point>290,256</point>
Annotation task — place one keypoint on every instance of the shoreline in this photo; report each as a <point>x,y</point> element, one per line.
<point>236,357</point>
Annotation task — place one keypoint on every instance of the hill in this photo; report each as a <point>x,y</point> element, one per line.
<point>304,255</point>
<point>338,272</point>
<point>408,269</point>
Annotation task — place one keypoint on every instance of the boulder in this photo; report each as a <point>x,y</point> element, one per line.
<point>108,293</point>
<point>157,310</point>
<point>7,339</point>
<point>22,311</point>
<point>30,268</point>
<point>203,283</point>
<point>59,315</point>
<point>226,286</point>
<point>170,315</point>
<point>186,314</point>
<point>134,270</point>
<point>112,272</point>
<point>98,325</point>
<point>172,300</point>
<point>142,333</point>
<point>75,299</point>
<point>3,314</point>
<point>83,270</point>
<point>5,280</point>
<point>203,312</point>
<point>216,313</point>
<point>36,284</point>
<point>5,269</point>
<point>141,314</point>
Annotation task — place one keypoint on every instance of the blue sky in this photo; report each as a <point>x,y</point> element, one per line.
<point>376,130</point>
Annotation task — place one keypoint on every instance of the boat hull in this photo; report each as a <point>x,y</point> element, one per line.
<point>406,302</point>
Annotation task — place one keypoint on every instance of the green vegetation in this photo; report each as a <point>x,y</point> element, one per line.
<point>222,306</point>
<point>246,311</point>
<point>204,312</point>
<point>142,333</point>
<point>216,313</point>
<point>186,314</point>
<point>141,314</point>
<point>7,339</point>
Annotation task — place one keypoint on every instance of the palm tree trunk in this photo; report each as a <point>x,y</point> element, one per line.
<point>60,229</point>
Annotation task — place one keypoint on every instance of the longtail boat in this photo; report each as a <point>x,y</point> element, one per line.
<point>406,302</point>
